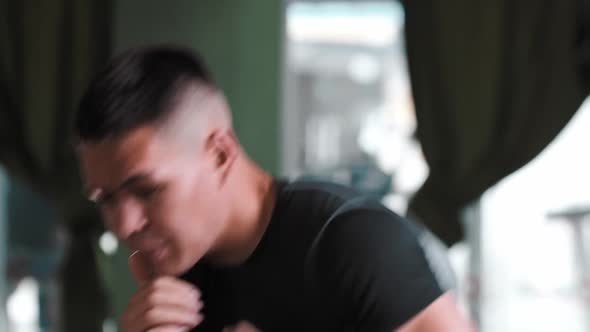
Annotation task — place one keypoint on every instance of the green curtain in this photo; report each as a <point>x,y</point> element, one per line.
<point>49,51</point>
<point>493,82</point>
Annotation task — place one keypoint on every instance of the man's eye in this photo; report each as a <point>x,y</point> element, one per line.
<point>103,200</point>
<point>147,192</point>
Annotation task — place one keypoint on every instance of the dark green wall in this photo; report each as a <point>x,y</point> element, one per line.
<point>240,40</point>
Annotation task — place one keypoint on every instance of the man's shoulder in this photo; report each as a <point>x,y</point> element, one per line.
<point>325,204</point>
<point>368,223</point>
<point>305,187</point>
<point>329,197</point>
<point>368,262</point>
<point>309,204</point>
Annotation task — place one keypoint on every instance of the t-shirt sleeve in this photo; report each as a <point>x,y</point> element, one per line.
<point>370,268</point>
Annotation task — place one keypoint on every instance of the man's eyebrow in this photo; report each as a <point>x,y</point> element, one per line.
<point>97,194</point>
<point>133,179</point>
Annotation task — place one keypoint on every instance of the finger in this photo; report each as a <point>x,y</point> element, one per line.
<point>164,300</point>
<point>137,314</point>
<point>164,291</point>
<point>168,315</point>
<point>244,326</point>
<point>140,268</point>
<point>170,328</point>
<point>134,321</point>
<point>167,291</point>
<point>159,317</point>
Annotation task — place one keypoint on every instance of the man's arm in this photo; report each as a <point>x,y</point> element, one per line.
<point>441,315</point>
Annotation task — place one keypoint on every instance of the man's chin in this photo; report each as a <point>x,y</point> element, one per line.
<point>174,269</point>
<point>165,271</point>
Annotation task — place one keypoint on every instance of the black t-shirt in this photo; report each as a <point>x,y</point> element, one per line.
<point>330,260</point>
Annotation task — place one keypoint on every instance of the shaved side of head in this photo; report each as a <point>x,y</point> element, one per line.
<point>198,110</point>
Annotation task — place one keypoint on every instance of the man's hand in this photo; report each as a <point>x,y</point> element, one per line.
<point>161,303</point>
<point>242,326</point>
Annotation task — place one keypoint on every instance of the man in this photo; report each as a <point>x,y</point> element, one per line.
<point>221,244</point>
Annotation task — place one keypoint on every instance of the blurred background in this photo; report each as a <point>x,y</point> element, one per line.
<point>467,116</point>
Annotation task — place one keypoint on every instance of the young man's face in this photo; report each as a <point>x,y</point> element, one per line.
<point>156,195</point>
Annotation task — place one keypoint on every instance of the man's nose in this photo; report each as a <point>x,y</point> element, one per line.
<point>127,217</point>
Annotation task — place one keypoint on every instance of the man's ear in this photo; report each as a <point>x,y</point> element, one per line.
<point>223,147</point>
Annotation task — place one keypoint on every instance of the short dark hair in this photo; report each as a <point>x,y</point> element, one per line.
<point>137,88</point>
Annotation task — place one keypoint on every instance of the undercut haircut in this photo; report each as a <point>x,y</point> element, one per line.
<point>138,87</point>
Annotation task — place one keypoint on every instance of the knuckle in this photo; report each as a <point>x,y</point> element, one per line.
<point>159,282</point>
<point>151,299</point>
<point>153,287</point>
<point>151,315</point>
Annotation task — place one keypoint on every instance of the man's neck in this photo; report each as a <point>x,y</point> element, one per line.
<point>253,209</point>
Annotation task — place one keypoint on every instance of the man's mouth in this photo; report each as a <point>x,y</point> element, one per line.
<point>156,255</point>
